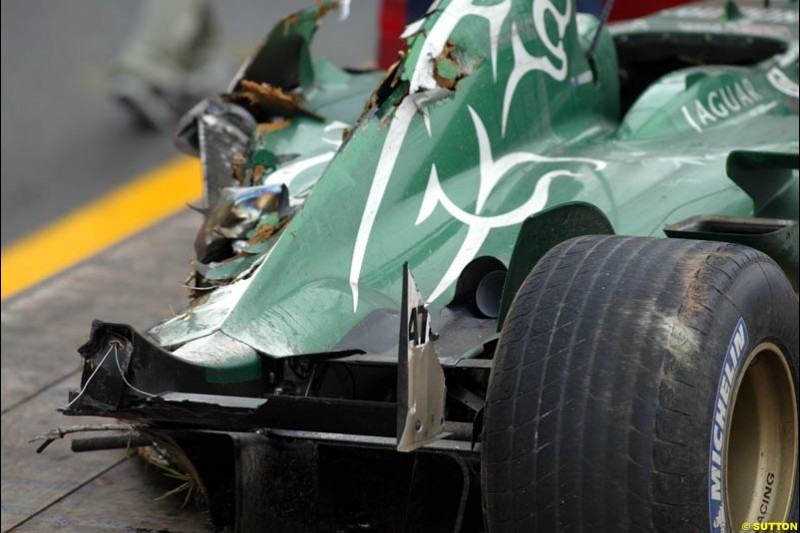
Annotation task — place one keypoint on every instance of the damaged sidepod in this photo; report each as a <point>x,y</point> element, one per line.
<point>240,213</point>
<point>312,383</point>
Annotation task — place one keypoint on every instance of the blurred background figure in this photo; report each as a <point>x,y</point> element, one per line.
<point>66,143</point>
<point>169,61</point>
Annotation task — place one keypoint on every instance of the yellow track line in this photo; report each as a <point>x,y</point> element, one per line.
<point>107,220</point>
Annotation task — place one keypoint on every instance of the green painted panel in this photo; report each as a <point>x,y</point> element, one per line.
<point>437,177</point>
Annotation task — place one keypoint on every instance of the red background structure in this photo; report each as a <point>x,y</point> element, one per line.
<point>394,14</point>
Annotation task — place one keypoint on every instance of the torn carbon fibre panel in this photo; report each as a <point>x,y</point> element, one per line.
<point>284,59</point>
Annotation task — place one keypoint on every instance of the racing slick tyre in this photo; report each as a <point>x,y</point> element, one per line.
<point>644,384</point>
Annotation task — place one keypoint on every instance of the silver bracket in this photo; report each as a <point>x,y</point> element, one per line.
<point>421,386</point>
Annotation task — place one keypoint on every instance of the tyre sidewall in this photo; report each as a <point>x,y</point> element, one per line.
<point>750,317</point>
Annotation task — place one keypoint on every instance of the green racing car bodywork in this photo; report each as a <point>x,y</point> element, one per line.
<point>441,176</point>
<point>343,205</point>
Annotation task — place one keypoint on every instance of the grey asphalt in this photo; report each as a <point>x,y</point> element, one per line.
<point>64,141</point>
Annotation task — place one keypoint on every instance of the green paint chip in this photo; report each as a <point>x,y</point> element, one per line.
<point>447,69</point>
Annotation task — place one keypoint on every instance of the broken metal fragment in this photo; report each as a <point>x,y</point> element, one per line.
<point>108,442</point>
<point>225,358</point>
<point>218,132</point>
<point>267,101</point>
<point>237,212</point>
<point>276,125</point>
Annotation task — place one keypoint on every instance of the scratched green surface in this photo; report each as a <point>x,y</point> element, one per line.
<point>661,162</point>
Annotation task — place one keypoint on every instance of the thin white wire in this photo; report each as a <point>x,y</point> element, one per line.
<point>122,374</point>
<point>103,360</point>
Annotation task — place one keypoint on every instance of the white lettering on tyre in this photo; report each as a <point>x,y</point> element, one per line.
<point>716,472</point>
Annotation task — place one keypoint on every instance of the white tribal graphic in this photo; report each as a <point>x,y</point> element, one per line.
<point>491,171</point>
<point>422,84</point>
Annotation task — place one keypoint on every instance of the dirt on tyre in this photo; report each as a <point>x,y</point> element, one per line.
<point>644,384</point>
